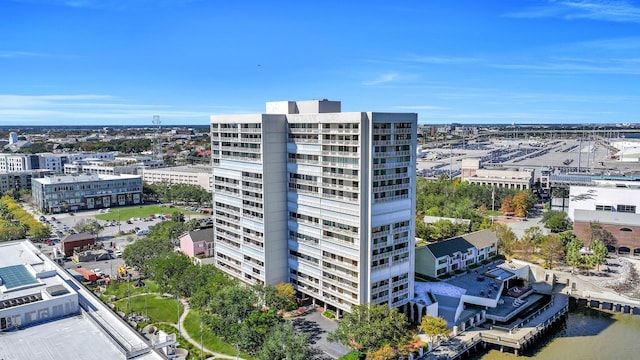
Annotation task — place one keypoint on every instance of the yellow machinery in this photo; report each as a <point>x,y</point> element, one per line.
<point>122,271</point>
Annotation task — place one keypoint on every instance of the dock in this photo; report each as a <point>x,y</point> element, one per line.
<point>519,337</point>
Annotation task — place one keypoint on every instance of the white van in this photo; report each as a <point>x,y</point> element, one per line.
<point>142,232</point>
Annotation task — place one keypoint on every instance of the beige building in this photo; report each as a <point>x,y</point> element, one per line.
<point>501,178</point>
<point>188,175</point>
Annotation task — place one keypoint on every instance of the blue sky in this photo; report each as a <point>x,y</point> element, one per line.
<point>114,62</point>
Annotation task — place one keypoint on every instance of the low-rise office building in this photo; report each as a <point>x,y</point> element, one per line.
<point>521,179</point>
<point>54,194</point>
<point>188,175</point>
<point>46,314</point>
<point>609,205</point>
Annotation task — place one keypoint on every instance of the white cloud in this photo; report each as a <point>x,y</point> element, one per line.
<point>19,54</point>
<point>601,10</point>
<point>419,107</point>
<point>382,79</point>
<point>89,107</point>
<point>440,60</point>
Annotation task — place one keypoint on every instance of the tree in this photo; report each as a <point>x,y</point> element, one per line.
<point>384,353</point>
<point>434,327</point>
<point>140,252</point>
<point>596,231</point>
<point>506,238</point>
<point>178,216</point>
<point>507,206</point>
<point>422,230</point>
<point>89,226</point>
<point>370,326</point>
<point>168,270</point>
<point>552,249</point>
<point>556,221</point>
<point>521,203</point>
<point>573,257</point>
<point>282,343</point>
<point>600,252</point>
<point>535,234</point>
<point>40,232</point>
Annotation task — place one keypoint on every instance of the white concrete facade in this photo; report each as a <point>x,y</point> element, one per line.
<point>188,175</point>
<point>610,196</point>
<point>337,190</point>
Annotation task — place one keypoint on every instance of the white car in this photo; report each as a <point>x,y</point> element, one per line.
<point>117,254</point>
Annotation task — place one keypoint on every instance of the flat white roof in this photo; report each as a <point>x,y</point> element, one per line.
<point>93,332</point>
<point>64,179</point>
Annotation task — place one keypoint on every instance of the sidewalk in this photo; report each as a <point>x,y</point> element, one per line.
<point>185,335</point>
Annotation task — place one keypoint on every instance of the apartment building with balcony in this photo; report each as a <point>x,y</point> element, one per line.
<point>321,198</point>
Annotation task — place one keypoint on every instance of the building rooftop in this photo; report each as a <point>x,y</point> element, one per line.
<point>63,179</point>
<point>40,302</point>
<point>184,169</point>
<point>204,234</point>
<point>481,239</point>
<point>449,246</point>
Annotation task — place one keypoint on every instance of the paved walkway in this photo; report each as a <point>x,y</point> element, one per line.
<point>186,335</point>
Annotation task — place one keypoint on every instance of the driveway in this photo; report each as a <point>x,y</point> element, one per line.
<point>318,327</point>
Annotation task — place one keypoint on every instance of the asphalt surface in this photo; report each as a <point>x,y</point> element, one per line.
<point>109,237</point>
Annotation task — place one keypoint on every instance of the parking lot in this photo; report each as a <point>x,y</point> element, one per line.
<point>62,225</point>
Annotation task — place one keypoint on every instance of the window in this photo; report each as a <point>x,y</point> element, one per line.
<point>604,208</point>
<point>626,209</point>
<point>625,230</point>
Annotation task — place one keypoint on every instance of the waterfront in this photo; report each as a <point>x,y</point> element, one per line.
<point>587,334</point>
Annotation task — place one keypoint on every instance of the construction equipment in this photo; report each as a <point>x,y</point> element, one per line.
<point>122,271</point>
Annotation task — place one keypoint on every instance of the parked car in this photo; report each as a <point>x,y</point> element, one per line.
<point>142,232</point>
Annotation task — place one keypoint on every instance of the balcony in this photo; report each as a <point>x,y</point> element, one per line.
<point>341,165</point>
<point>340,131</point>
<point>251,140</point>
<point>339,176</point>
<point>251,130</point>
<point>293,130</point>
<point>349,265</point>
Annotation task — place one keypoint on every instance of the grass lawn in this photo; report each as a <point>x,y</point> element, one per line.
<point>493,213</point>
<point>210,340</point>
<point>121,289</point>
<point>125,213</point>
<point>161,309</point>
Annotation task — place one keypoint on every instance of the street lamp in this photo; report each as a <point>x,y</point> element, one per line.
<point>178,304</point>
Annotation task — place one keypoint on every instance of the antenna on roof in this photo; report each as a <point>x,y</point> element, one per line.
<point>157,144</point>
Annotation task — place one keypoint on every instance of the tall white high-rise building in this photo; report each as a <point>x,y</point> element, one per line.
<point>323,199</point>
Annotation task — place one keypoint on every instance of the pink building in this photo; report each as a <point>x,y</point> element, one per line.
<point>197,243</point>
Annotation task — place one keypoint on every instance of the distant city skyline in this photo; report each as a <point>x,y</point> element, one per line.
<point>119,62</point>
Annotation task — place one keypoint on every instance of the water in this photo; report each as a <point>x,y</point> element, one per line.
<point>587,334</point>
